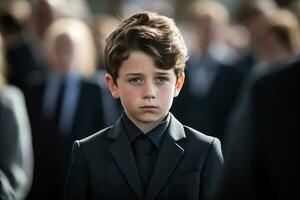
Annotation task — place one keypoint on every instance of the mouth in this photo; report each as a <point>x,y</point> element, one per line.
<point>149,108</point>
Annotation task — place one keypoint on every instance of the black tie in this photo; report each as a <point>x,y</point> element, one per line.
<point>143,147</point>
<point>58,105</point>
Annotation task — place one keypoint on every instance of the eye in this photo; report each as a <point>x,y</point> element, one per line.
<point>161,79</point>
<point>135,81</point>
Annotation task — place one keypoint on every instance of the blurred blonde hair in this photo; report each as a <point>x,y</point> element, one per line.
<point>2,64</point>
<point>105,24</point>
<point>81,37</point>
<point>102,26</point>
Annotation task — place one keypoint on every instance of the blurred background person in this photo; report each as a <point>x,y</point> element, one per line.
<point>260,150</point>
<point>274,41</point>
<point>278,39</point>
<point>278,42</point>
<point>64,105</point>
<point>35,16</point>
<point>102,26</point>
<point>224,50</point>
<point>21,61</point>
<point>249,14</point>
<point>211,84</point>
<point>16,155</point>
<point>261,157</point>
<point>44,12</point>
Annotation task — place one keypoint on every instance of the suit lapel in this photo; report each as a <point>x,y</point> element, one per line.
<point>122,154</point>
<point>169,155</point>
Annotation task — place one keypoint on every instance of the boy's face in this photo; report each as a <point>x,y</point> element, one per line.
<point>146,92</point>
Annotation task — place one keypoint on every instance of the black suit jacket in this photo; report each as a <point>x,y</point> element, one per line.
<point>52,150</point>
<point>103,166</point>
<point>262,156</point>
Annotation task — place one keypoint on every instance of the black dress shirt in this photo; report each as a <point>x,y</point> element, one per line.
<point>155,136</point>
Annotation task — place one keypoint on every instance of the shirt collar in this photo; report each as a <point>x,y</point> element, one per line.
<point>155,135</point>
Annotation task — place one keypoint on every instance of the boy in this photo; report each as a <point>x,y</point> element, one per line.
<point>147,154</point>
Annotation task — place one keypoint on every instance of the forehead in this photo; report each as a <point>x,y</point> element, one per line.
<point>140,62</point>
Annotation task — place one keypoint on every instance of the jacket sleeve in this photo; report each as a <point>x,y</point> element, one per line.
<point>76,187</point>
<point>212,169</point>
<point>16,155</point>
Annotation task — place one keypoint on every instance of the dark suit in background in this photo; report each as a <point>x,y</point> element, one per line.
<point>103,166</point>
<point>208,112</point>
<point>51,146</point>
<point>262,156</point>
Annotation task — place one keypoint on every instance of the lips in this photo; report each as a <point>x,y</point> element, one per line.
<point>149,107</point>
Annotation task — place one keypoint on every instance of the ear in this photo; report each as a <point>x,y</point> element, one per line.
<point>179,84</point>
<point>112,86</point>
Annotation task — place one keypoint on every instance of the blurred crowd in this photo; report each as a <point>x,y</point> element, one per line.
<point>52,87</point>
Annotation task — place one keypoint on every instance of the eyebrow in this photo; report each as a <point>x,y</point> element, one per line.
<point>139,74</point>
<point>133,74</point>
<point>163,73</point>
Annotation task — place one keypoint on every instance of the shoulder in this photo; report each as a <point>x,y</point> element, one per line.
<point>98,140</point>
<point>195,134</point>
<point>287,72</point>
<point>10,91</point>
<point>13,111</point>
<point>11,96</point>
<point>191,135</point>
<point>199,138</point>
<point>202,145</point>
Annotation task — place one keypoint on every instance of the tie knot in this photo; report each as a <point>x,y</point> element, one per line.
<point>143,145</point>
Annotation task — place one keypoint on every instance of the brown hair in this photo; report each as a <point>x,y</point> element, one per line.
<point>154,34</point>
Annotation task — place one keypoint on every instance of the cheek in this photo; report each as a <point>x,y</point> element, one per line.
<point>166,93</point>
<point>128,97</point>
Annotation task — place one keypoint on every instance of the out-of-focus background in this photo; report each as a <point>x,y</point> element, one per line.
<point>52,52</point>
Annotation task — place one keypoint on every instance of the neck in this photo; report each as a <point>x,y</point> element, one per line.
<point>146,127</point>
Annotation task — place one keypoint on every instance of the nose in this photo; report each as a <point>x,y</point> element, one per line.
<point>149,90</point>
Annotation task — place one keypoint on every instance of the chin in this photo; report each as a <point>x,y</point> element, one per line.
<point>149,118</point>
